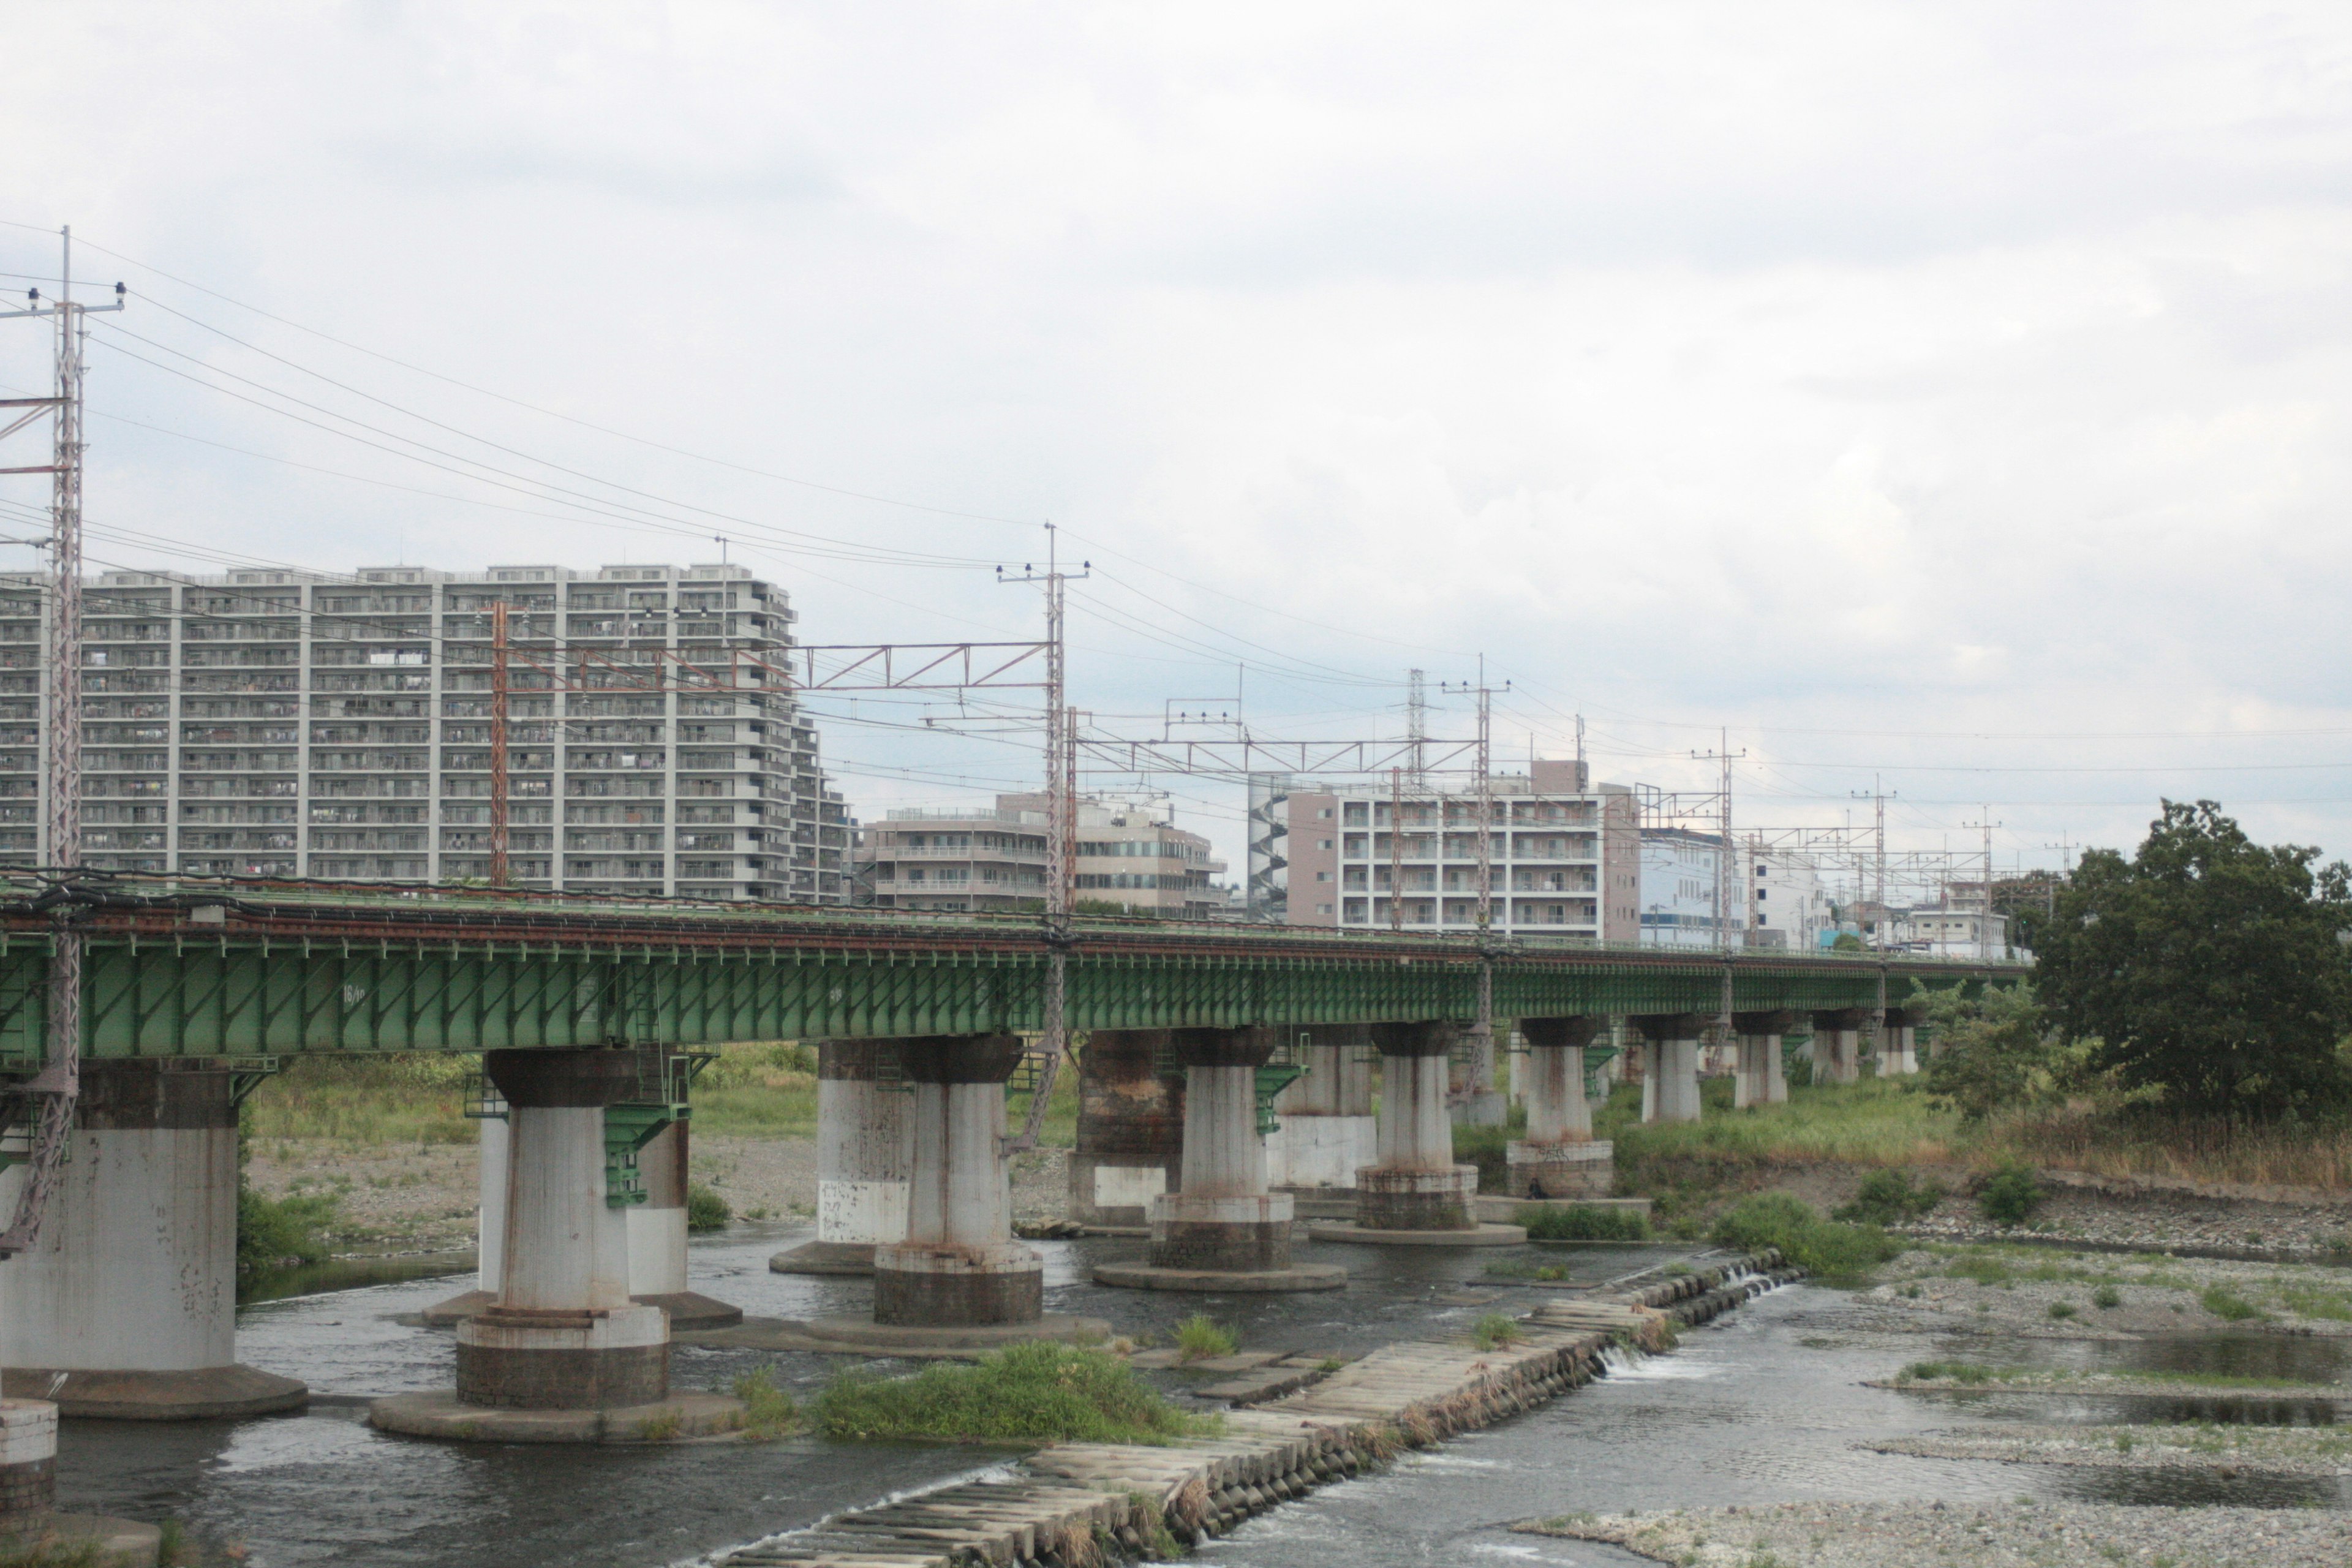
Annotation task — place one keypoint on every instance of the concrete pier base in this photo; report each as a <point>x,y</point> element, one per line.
<point>1223,1230</point>
<point>1326,1130</point>
<point>658,1235</point>
<point>1837,1045</point>
<point>1416,1194</point>
<point>28,1498</point>
<point>1670,1076</point>
<point>1758,1078</point>
<point>959,1266</point>
<point>862,1165</point>
<point>1898,1052</point>
<point>130,1291</point>
<point>1130,1138</point>
<point>490,1229</point>
<point>563,1355</point>
<point>1558,1158</point>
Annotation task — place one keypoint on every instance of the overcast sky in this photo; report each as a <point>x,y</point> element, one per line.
<point>1955,396</point>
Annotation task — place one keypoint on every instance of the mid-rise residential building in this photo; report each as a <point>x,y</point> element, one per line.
<point>1563,855</point>
<point>263,723</point>
<point>981,857</point>
<point>1779,900</point>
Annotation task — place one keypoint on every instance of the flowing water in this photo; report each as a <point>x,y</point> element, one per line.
<point>1764,1404</point>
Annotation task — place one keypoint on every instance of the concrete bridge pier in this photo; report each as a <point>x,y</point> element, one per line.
<point>1670,1076</point>
<point>1130,1142</point>
<point>1837,1045</point>
<point>1326,1130</point>
<point>1759,1079</point>
<point>658,1232</point>
<point>564,1354</point>
<point>958,1265</point>
<point>489,1227</point>
<point>1560,1158</point>
<point>125,1307</point>
<point>1899,1041</point>
<point>1415,1195</point>
<point>1222,1229</point>
<point>863,1164</point>
<point>1472,1098</point>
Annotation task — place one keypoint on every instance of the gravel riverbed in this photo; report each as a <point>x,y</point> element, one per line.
<point>2226,1451</point>
<point>2023,1535</point>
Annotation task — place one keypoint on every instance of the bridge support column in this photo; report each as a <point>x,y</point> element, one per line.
<point>1670,1084</point>
<point>1222,1229</point>
<point>1560,1158</point>
<point>1130,1143</point>
<point>563,1355</point>
<point>959,1264</point>
<point>1758,1079</point>
<point>1415,1195</point>
<point>126,1306</point>
<point>657,1276</point>
<point>1837,1045</point>
<point>1472,1099</point>
<point>489,1227</point>
<point>1326,1130</point>
<point>863,1164</point>
<point>1898,1049</point>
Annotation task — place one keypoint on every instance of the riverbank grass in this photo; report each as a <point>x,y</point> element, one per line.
<point>1027,1393</point>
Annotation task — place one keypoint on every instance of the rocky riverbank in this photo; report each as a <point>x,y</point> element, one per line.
<point>2020,1535</point>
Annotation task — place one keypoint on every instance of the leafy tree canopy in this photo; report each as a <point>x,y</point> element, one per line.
<point>2208,967</point>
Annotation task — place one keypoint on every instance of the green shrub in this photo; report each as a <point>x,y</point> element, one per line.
<point>1494,1330</point>
<point>1945,1372</point>
<point>1485,1147</point>
<point>1796,1070</point>
<point>2062,1309</point>
<point>769,1412</point>
<point>276,1232</point>
<point>2224,1302</point>
<point>705,1209</point>
<point>2106,1296</point>
<point>1889,1197</point>
<point>1832,1252</point>
<point>1198,1337</point>
<point>1041,1393</point>
<point>1582,1222</point>
<point>2009,1196</point>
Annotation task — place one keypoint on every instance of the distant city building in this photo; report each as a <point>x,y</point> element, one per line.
<point>1682,874</point>
<point>1563,855</point>
<point>1782,900</point>
<point>266,723</point>
<point>993,857</point>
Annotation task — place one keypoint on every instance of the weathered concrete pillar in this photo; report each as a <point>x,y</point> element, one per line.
<point>1472,1098</point>
<point>29,1465</point>
<point>863,1164</point>
<point>1670,1086</point>
<point>658,1232</point>
<point>1837,1045</point>
<point>959,1264</point>
<point>1758,1079</point>
<point>1899,1049</point>
<point>126,1306</point>
<point>1131,1141</point>
<point>563,1333</point>
<point>564,1354</point>
<point>489,1227</point>
<point>1222,1229</point>
<point>1415,1193</point>
<point>1326,1130</point>
<point>1560,1158</point>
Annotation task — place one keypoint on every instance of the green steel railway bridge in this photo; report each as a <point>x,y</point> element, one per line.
<point>117,1296</point>
<point>196,969</point>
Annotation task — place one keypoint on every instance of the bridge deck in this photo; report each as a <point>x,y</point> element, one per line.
<point>183,967</point>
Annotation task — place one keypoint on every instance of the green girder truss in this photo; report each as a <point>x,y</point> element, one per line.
<point>275,987</point>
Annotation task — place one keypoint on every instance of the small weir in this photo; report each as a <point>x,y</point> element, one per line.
<point>1076,1505</point>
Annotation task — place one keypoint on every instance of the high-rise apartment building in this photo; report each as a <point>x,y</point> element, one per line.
<point>1564,854</point>
<point>280,724</point>
<point>978,858</point>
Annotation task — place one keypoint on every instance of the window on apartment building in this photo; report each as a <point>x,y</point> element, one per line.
<point>1322,908</point>
<point>1322,876</point>
<point>1324,813</point>
<point>1762,893</point>
<point>1322,844</point>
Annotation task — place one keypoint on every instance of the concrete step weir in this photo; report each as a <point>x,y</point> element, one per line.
<point>1082,1505</point>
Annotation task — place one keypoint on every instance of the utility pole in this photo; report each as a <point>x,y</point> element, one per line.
<point>1724,865</point>
<point>59,1083</point>
<point>1984,924</point>
<point>1416,722</point>
<point>1061,823</point>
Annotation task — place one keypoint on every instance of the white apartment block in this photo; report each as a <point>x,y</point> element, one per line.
<point>1779,899</point>
<point>1563,855</point>
<point>266,723</point>
<point>993,858</point>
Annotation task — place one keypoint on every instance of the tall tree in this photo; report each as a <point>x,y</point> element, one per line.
<point>2210,967</point>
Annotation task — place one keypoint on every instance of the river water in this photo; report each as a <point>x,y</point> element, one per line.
<point>1765,1405</point>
